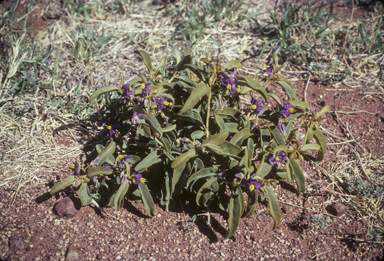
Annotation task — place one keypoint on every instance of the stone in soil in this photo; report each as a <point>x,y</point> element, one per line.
<point>17,242</point>
<point>337,209</point>
<point>65,207</point>
<point>72,254</point>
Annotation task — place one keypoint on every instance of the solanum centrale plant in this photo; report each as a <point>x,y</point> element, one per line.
<point>186,129</point>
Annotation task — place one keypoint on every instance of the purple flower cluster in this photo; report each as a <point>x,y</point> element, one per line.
<point>268,69</point>
<point>126,91</point>
<point>139,179</point>
<point>122,159</point>
<point>75,168</point>
<point>161,102</point>
<point>279,158</point>
<point>145,88</point>
<point>287,110</point>
<point>252,184</point>
<point>230,83</point>
<point>112,129</point>
<point>137,116</point>
<point>256,106</point>
<point>211,61</point>
<point>281,127</point>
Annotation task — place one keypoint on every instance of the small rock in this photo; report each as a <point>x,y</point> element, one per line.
<point>65,207</point>
<point>18,242</point>
<point>72,254</point>
<point>337,209</point>
<point>171,228</point>
<point>262,217</point>
<point>286,209</point>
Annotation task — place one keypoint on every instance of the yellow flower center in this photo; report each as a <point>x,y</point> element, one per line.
<point>136,118</point>
<point>238,90</point>
<point>142,86</point>
<point>229,86</point>
<point>72,166</point>
<point>251,187</point>
<point>142,180</point>
<point>254,107</point>
<point>165,103</point>
<point>122,90</point>
<point>277,158</point>
<point>121,156</point>
<point>290,110</point>
<point>109,127</point>
<point>266,66</point>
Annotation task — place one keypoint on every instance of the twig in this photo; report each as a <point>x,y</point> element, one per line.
<point>305,90</point>
<point>360,240</point>
<point>361,165</point>
<point>321,253</point>
<point>290,204</point>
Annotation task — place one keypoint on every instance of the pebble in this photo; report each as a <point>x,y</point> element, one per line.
<point>337,209</point>
<point>72,254</point>
<point>262,217</point>
<point>65,207</point>
<point>18,242</point>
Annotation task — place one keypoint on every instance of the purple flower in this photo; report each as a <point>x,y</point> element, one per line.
<point>288,109</point>
<point>212,60</point>
<point>252,184</point>
<point>139,178</point>
<point>107,166</point>
<point>137,116</point>
<point>256,106</point>
<point>122,159</point>
<point>145,88</point>
<point>235,91</point>
<point>239,175</point>
<point>75,168</point>
<point>279,158</point>
<point>161,102</point>
<point>112,129</point>
<point>122,179</point>
<point>281,127</point>
<point>95,161</point>
<point>268,69</point>
<point>125,90</point>
<point>230,82</point>
<point>96,182</point>
<point>185,140</point>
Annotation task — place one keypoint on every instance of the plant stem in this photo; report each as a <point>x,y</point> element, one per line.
<point>208,112</point>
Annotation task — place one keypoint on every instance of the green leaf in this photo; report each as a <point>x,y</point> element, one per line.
<point>206,186</point>
<point>229,148</point>
<point>167,144</point>
<point>191,116</point>
<point>84,195</point>
<point>265,135</point>
<point>299,104</point>
<point>183,158</point>
<point>320,139</point>
<point>106,153</point>
<point>277,135</point>
<point>299,176</point>
<point>287,86</point>
<point>231,127</point>
<point>197,135</point>
<point>251,147</point>
<point>233,64</point>
<point>214,148</point>
<point>166,192</point>
<point>239,137</point>
<point>62,184</point>
<point>228,111</point>
<point>196,71</point>
<point>154,124</point>
<point>118,200</point>
<point>182,65</point>
<point>247,81</point>
<point>236,209</point>
<point>324,110</point>
<point>151,159</point>
<point>195,96</point>
<point>264,168</point>
<point>147,60</point>
<point>273,206</point>
<point>279,149</point>
<point>161,64</point>
<point>98,171</point>
<point>147,199</point>
<point>220,122</point>
<point>203,173</point>
<point>101,91</point>
<point>177,173</point>
<point>177,53</point>
<point>311,147</point>
<point>169,128</point>
<point>308,136</point>
<point>252,202</point>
